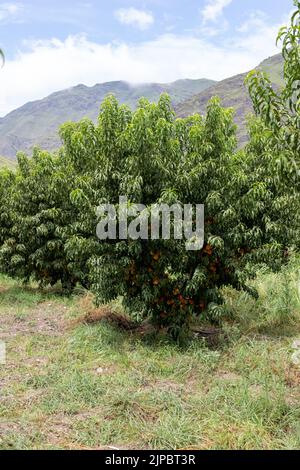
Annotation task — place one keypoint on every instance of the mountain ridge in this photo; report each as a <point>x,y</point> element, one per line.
<point>233,93</point>
<point>37,122</point>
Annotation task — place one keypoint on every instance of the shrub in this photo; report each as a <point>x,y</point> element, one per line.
<point>39,208</point>
<point>7,179</point>
<point>261,161</point>
<point>274,149</point>
<point>151,157</point>
<point>251,199</point>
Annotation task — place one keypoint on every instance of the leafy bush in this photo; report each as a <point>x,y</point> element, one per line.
<point>150,157</point>
<point>274,149</point>
<point>7,179</point>
<point>39,208</point>
<point>251,198</point>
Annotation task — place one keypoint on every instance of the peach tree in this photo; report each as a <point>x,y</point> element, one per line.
<point>7,180</point>
<point>38,208</point>
<point>274,149</point>
<point>151,157</point>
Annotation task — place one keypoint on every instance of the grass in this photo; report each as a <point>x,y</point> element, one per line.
<point>69,385</point>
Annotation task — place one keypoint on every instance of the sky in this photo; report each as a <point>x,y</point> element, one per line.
<point>56,44</point>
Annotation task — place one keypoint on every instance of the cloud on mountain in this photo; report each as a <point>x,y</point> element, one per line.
<point>42,67</point>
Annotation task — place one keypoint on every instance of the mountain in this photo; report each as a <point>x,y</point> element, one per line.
<point>234,94</point>
<point>37,123</point>
<point>6,162</point>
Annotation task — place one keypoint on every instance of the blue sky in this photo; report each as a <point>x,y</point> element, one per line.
<point>51,45</point>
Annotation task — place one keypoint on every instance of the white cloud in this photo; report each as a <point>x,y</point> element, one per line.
<point>8,11</point>
<point>256,20</point>
<point>47,66</point>
<point>131,16</point>
<point>214,9</point>
<point>257,32</point>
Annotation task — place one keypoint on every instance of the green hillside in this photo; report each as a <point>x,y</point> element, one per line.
<point>234,94</point>
<point>37,123</point>
<point>6,162</point>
